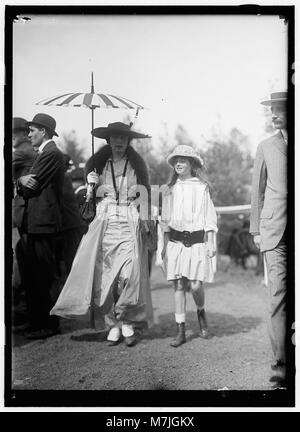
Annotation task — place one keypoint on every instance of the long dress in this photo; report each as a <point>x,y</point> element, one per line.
<point>110,269</point>
<point>188,207</point>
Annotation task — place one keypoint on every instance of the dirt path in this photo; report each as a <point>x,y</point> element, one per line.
<point>237,356</point>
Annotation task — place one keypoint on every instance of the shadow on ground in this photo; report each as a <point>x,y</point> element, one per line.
<point>67,326</point>
<point>220,325</point>
<point>91,337</point>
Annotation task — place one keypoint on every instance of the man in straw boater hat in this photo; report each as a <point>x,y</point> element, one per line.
<point>42,191</point>
<point>268,225</point>
<point>110,275</point>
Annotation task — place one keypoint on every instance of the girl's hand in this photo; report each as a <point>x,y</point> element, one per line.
<point>163,252</point>
<point>93,177</point>
<point>211,250</point>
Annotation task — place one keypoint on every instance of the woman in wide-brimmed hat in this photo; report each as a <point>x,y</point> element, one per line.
<point>110,269</point>
<point>189,222</point>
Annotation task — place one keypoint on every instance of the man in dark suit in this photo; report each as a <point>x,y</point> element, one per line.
<point>22,159</point>
<point>268,225</point>
<point>42,191</point>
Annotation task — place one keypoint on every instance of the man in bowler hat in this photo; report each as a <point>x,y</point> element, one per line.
<point>42,191</point>
<point>268,225</point>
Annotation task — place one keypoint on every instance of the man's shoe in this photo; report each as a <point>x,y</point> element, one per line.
<point>280,384</point>
<point>130,340</point>
<point>279,369</point>
<point>276,366</point>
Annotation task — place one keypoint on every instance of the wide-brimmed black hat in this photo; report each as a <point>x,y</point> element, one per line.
<point>45,121</point>
<point>117,128</point>
<point>19,124</point>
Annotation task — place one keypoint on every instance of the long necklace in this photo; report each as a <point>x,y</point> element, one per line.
<point>114,178</point>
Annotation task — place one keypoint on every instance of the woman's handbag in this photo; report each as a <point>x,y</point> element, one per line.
<point>88,209</point>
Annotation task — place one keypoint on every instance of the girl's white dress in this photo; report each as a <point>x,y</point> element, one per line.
<point>188,207</point>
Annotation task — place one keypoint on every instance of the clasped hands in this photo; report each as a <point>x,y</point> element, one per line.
<point>29,181</point>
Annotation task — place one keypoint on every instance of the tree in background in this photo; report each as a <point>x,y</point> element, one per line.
<point>228,167</point>
<point>146,151</point>
<point>71,146</point>
<point>156,157</point>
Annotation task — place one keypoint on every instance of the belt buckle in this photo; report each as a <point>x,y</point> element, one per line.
<point>186,238</point>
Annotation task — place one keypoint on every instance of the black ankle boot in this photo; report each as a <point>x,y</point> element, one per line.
<point>180,338</point>
<point>201,315</point>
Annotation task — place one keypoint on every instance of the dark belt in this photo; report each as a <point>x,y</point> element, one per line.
<point>186,237</point>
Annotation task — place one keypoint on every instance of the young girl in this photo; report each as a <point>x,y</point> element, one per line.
<point>189,223</point>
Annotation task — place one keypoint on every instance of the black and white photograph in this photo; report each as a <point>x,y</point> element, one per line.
<point>149,206</point>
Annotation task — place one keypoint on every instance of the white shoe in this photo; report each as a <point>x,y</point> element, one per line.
<point>127,330</point>
<point>114,334</point>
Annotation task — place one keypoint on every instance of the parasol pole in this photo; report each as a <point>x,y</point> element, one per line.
<point>135,117</point>
<point>92,108</point>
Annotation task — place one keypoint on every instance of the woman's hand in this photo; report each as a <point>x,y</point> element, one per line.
<point>166,241</point>
<point>211,248</point>
<point>93,177</point>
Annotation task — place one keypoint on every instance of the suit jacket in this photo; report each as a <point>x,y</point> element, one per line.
<point>269,192</point>
<point>22,160</point>
<point>71,217</point>
<point>44,205</point>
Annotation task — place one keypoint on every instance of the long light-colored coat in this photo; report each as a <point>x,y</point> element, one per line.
<point>82,286</point>
<point>269,192</point>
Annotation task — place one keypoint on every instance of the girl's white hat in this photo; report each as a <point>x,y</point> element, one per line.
<point>185,151</point>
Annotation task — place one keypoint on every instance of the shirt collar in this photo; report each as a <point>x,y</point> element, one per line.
<point>42,146</point>
<point>283,137</point>
<point>190,180</point>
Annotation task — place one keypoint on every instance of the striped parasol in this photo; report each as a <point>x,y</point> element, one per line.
<point>92,101</point>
